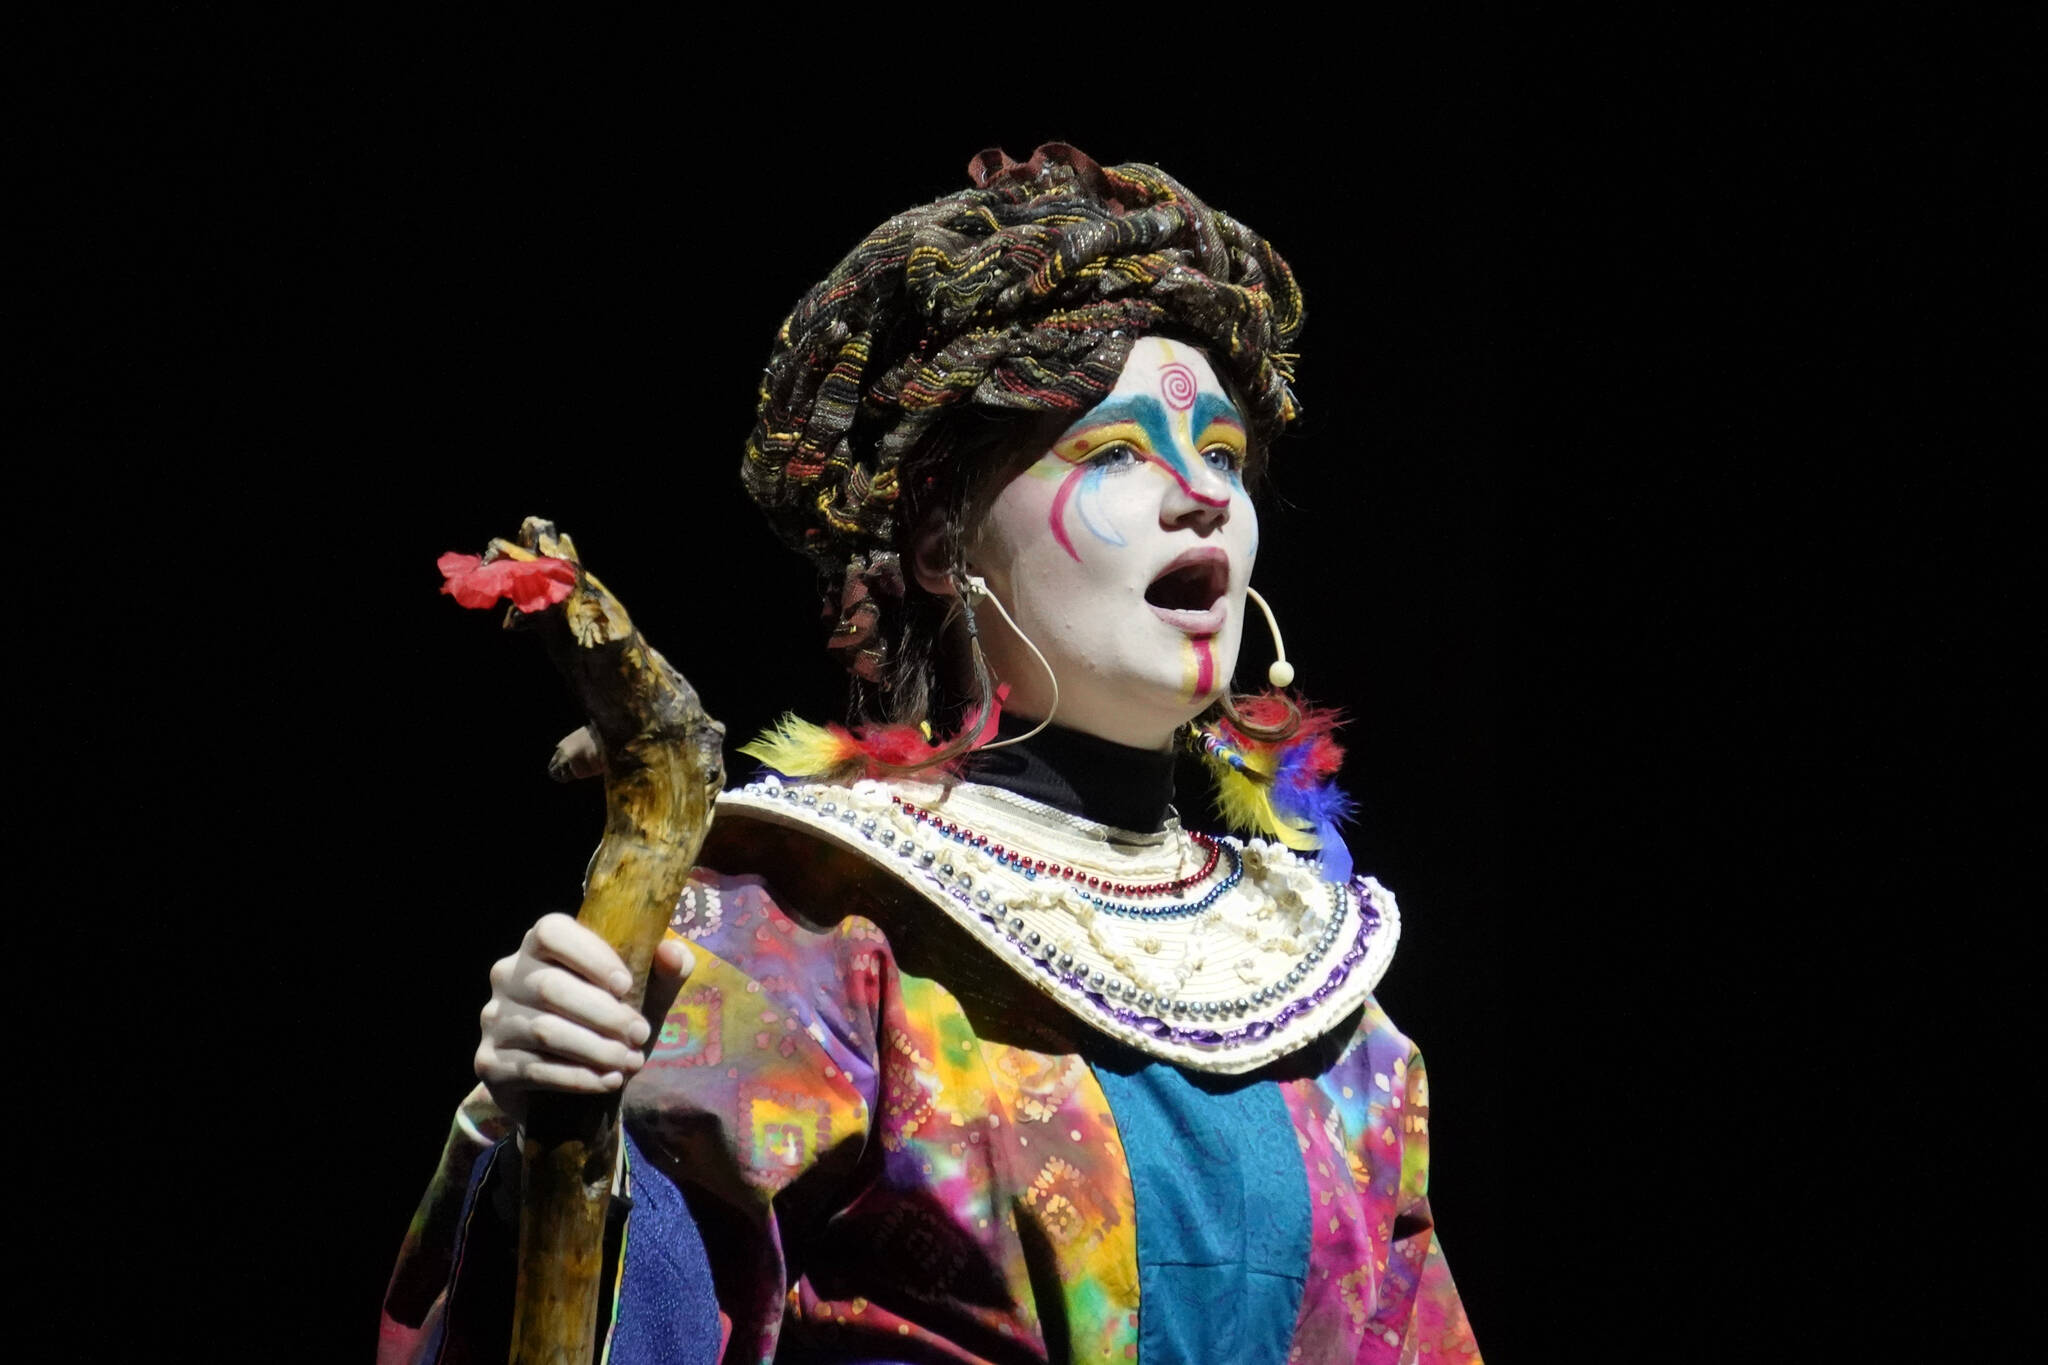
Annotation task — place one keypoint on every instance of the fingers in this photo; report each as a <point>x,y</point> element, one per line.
<point>563,1040</point>
<point>555,1020</point>
<point>542,1074</point>
<point>562,939</point>
<point>510,1030</point>
<point>672,957</point>
<point>525,1050</point>
<point>512,1073</point>
<point>559,938</point>
<point>551,991</point>
<point>578,755</point>
<point>673,962</point>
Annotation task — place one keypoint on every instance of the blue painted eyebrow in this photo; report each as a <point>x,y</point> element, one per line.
<point>1150,415</point>
<point>1209,407</point>
<point>1139,408</point>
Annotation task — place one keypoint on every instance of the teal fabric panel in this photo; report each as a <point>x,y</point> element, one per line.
<point>1222,1209</point>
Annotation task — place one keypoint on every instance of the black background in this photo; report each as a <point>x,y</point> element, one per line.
<point>1626,519</point>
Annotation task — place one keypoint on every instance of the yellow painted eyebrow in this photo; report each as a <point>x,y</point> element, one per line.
<point>1076,445</point>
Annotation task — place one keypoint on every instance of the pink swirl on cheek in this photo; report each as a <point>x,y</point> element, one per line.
<point>1178,386</point>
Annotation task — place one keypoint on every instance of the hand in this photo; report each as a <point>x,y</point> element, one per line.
<point>557,1020</point>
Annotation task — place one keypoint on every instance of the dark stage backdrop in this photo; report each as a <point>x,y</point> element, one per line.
<point>1609,411</point>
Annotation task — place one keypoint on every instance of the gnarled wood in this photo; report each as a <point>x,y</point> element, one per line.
<point>663,765</point>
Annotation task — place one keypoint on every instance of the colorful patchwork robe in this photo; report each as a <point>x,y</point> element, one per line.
<point>888,1158</point>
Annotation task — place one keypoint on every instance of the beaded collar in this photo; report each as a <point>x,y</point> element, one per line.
<point>1211,953</point>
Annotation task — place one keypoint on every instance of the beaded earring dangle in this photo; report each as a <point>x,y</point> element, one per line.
<point>974,588</point>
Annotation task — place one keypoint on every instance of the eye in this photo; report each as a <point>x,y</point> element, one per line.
<point>1223,459</point>
<point>1117,456</point>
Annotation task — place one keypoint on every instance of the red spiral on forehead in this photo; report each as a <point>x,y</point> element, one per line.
<point>1178,386</point>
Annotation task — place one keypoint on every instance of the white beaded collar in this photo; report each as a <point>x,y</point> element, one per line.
<point>1211,953</point>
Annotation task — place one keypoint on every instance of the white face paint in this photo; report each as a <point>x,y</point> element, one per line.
<point>1123,553</point>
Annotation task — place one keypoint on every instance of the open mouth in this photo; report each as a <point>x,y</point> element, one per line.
<point>1189,594</point>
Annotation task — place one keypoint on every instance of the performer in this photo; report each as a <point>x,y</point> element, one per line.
<point>978,1053</point>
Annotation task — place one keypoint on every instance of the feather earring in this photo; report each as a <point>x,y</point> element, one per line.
<point>795,747</point>
<point>1281,789</point>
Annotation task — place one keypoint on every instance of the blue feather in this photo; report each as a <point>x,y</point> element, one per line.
<point>1336,857</point>
<point>1299,798</point>
<point>1312,803</point>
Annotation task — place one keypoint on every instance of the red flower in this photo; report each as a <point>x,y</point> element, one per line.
<point>532,584</point>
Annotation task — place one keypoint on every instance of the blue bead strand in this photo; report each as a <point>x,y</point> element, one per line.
<point>1194,907</point>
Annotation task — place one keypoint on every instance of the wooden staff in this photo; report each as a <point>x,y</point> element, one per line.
<point>663,765</point>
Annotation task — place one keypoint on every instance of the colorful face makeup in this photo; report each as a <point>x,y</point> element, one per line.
<point>1198,670</point>
<point>1124,551</point>
<point>1171,431</point>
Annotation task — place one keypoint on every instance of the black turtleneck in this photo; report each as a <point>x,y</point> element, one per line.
<point>1110,784</point>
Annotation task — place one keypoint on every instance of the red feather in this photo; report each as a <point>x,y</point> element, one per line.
<point>1269,709</point>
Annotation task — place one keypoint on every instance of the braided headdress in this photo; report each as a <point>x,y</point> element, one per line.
<point>1018,297</point>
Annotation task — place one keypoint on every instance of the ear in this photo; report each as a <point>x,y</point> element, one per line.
<point>931,559</point>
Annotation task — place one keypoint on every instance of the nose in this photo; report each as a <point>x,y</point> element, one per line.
<point>1200,503</point>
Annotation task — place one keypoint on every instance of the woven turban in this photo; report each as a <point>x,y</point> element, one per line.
<point>1021,295</point>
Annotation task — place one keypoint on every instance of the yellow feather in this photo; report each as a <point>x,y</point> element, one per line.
<point>795,747</point>
<point>1247,806</point>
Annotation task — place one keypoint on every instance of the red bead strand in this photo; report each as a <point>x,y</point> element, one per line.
<point>952,830</point>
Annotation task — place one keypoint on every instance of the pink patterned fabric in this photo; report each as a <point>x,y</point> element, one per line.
<point>884,1167</point>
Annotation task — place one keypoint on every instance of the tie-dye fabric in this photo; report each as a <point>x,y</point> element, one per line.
<point>889,1165</point>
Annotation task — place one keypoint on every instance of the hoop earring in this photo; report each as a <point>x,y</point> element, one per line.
<point>973,587</point>
<point>1280,673</point>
